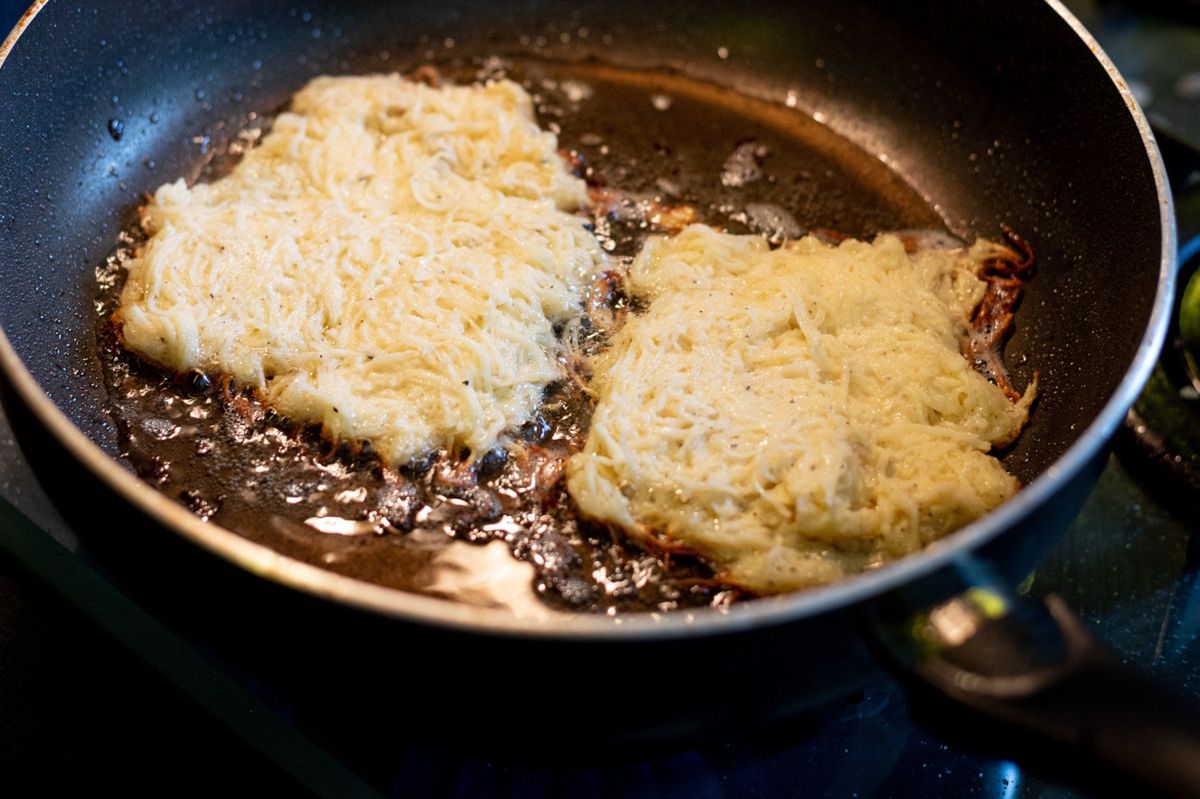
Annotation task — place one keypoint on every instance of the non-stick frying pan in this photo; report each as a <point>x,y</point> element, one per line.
<point>995,113</point>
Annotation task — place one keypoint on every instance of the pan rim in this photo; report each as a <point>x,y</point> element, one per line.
<point>414,608</point>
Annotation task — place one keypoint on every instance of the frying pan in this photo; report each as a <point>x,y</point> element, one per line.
<point>994,113</point>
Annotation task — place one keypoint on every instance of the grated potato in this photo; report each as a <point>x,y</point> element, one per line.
<point>389,261</point>
<point>795,415</point>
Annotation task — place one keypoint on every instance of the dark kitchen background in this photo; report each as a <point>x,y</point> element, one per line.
<point>82,712</point>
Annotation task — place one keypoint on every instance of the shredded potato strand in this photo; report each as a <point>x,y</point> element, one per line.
<point>389,262</point>
<point>795,415</point>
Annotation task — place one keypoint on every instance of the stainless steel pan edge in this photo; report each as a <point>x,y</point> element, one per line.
<point>269,565</point>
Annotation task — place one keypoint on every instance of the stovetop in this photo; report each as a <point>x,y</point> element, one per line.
<point>1128,565</point>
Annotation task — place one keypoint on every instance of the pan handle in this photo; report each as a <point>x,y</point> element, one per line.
<point>1026,680</point>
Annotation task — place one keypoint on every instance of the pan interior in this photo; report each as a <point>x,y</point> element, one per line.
<point>656,140</point>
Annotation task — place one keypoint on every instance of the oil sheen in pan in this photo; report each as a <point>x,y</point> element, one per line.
<point>647,144</point>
